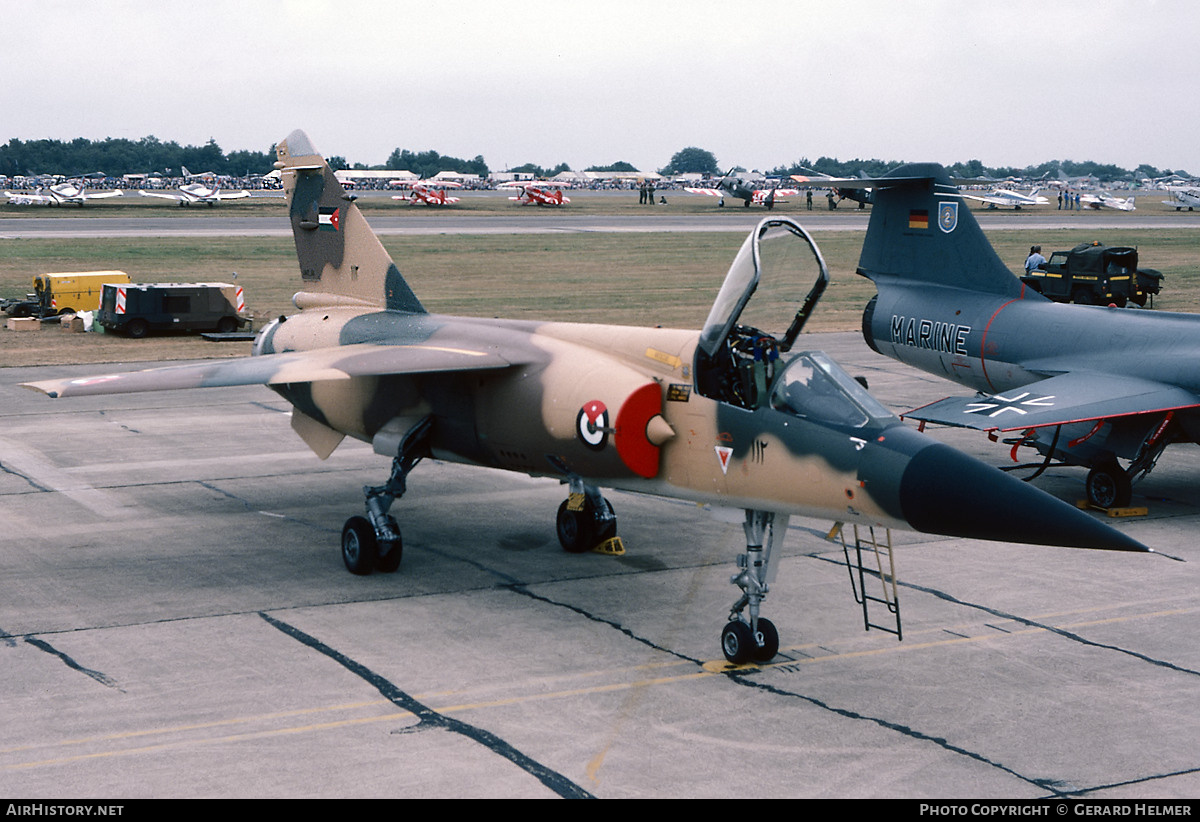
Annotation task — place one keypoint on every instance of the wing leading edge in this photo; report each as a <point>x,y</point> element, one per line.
<point>1077,396</point>
<point>340,363</point>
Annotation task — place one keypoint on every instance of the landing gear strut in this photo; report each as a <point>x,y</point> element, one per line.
<point>373,543</point>
<point>753,638</point>
<point>1111,486</point>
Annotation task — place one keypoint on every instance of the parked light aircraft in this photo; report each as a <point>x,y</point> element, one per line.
<point>541,192</point>
<point>1102,200</point>
<point>741,189</point>
<point>1086,385</point>
<point>1007,198</point>
<point>429,192</point>
<point>729,416</point>
<point>68,193</point>
<point>1182,198</point>
<point>197,194</point>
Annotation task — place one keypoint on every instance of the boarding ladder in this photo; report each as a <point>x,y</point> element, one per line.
<point>870,545</point>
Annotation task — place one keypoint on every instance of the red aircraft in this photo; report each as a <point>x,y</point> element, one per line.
<point>429,192</point>
<point>540,192</point>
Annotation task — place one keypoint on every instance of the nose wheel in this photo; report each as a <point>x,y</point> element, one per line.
<point>741,644</point>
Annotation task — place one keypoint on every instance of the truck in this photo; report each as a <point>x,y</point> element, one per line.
<point>1095,274</point>
<point>63,293</point>
<point>136,309</point>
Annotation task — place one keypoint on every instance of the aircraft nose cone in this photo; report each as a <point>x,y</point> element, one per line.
<point>943,491</point>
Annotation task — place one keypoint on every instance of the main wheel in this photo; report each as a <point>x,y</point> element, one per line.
<point>1108,486</point>
<point>360,549</point>
<point>137,329</point>
<point>583,530</point>
<point>226,325</point>
<point>575,529</point>
<point>737,642</point>
<point>767,644</point>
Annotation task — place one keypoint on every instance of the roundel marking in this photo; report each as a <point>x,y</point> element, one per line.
<point>592,425</point>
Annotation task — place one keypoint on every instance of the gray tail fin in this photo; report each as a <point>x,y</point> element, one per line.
<point>341,260</point>
<point>921,231</point>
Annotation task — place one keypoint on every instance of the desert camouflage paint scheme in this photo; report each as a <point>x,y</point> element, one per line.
<point>728,415</point>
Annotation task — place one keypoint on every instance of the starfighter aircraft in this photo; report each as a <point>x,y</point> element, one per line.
<point>1085,385</point>
<point>69,193</point>
<point>738,188</point>
<point>728,416</point>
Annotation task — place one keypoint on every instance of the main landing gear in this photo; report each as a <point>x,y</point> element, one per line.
<point>373,543</point>
<point>1109,485</point>
<point>585,518</point>
<point>753,638</point>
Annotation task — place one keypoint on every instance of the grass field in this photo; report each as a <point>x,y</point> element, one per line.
<point>667,279</point>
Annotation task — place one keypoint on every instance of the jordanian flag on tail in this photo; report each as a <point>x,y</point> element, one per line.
<point>330,219</point>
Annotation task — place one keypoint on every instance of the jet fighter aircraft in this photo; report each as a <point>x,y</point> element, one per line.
<point>1087,385</point>
<point>733,186</point>
<point>429,192</point>
<point>68,193</point>
<point>541,193</point>
<point>729,416</point>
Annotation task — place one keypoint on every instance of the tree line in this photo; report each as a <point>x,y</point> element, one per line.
<point>118,156</point>
<point>114,157</point>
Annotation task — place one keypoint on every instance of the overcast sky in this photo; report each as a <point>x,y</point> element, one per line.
<point>759,84</point>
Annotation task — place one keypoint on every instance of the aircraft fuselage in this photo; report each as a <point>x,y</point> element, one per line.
<point>995,344</point>
<point>613,403</point>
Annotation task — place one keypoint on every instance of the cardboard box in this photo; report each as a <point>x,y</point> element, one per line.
<point>24,323</point>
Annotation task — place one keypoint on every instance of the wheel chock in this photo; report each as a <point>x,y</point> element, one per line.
<point>1113,513</point>
<point>611,547</point>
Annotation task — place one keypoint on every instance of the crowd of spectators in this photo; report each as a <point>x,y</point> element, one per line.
<point>138,181</point>
<point>260,183</point>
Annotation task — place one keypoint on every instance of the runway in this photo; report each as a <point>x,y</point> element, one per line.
<point>176,622</point>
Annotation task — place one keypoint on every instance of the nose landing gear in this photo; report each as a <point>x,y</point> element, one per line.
<point>752,638</point>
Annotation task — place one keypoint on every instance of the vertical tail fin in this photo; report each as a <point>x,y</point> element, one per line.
<point>341,259</point>
<point>922,231</point>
